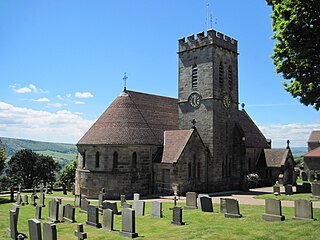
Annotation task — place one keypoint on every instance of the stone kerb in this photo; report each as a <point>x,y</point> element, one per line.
<point>273,211</point>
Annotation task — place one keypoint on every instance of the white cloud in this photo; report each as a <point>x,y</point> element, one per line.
<point>30,88</point>
<point>57,105</point>
<point>68,95</point>
<point>83,95</point>
<point>59,97</point>
<point>61,126</point>
<point>23,90</point>
<point>43,100</point>
<point>79,102</point>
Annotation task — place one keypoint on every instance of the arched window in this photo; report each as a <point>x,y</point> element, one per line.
<point>230,77</point>
<point>134,160</point>
<point>221,70</point>
<point>198,173</point>
<point>189,170</point>
<point>115,160</point>
<point>194,167</point>
<point>97,159</point>
<point>84,159</point>
<point>194,76</point>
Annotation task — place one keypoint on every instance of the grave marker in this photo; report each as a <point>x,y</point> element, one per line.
<point>177,216</point>
<point>140,208</point>
<point>108,217</point>
<point>206,204</point>
<point>42,198</point>
<point>316,190</point>
<point>77,200</point>
<point>288,189</point>
<point>79,232</point>
<point>84,205</point>
<point>102,196</point>
<point>232,208</point>
<point>61,212</point>
<point>198,199</point>
<point>111,205</point>
<point>34,229</point>
<point>49,231</point>
<point>54,211</point>
<point>136,197</point>
<point>93,216</point>
<point>156,209</point>
<point>303,210</point>
<point>25,200</point>
<point>273,211</point>
<point>38,212</point>
<point>128,223</point>
<point>191,200</point>
<point>122,199</point>
<point>34,200</point>
<point>69,213</point>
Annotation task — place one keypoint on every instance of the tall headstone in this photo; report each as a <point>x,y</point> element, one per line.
<point>206,204</point>
<point>140,208</point>
<point>49,231</point>
<point>136,197</point>
<point>128,228</point>
<point>69,213</point>
<point>34,200</point>
<point>84,205</point>
<point>223,207</point>
<point>41,199</point>
<point>93,216</point>
<point>61,212</point>
<point>34,229</point>
<point>108,217</point>
<point>25,200</point>
<point>12,231</point>
<point>288,189</point>
<point>303,210</point>
<point>191,200</point>
<point>111,205</point>
<point>315,188</point>
<point>232,207</point>
<point>54,211</point>
<point>198,199</point>
<point>77,200</point>
<point>79,233</point>
<point>19,198</point>
<point>156,209</point>
<point>177,216</point>
<point>122,199</point>
<point>273,211</point>
<point>38,212</point>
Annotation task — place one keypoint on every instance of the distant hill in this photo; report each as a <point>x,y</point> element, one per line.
<point>61,152</point>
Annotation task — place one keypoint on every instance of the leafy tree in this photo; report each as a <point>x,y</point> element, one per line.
<point>3,157</point>
<point>67,174</point>
<point>29,168</point>
<point>296,27</point>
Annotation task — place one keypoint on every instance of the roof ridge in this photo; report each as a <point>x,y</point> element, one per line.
<point>310,152</point>
<point>151,94</point>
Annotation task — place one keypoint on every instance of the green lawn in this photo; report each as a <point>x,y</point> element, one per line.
<point>293,197</point>
<point>199,225</point>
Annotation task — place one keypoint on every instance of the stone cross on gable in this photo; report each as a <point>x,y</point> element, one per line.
<point>79,232</point>
<point>125,81</point>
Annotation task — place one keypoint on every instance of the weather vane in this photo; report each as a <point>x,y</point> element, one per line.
<point>209,18</point>
<point>125,81</point>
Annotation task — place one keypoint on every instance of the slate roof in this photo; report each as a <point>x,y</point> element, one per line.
<point>253,136</point>
<point>275,157</point>
<point>134,118</point>
<point>313,153</point>
<point>314,136</point>
<point>175,142</point>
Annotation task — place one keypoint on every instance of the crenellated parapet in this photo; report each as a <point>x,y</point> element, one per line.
<point>202,40</point>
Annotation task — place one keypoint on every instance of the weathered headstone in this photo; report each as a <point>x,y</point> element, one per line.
<point>84,205</point>
<point>102,196</point>
<point>315,190</point>
<point>93,216</point>
<point>25,200</point>
<point>11,194</point>
<point>64,189</point>
<point>304,176</point>
<point>33,200</point>
<point>107,222</point>
<point>79,233</point>
<point>111,205</point>
<point>54,211</point>
<point>177,216</point>
<point>156,209</point>
<point>77,200</point>
<point>127,205</point>
<point>276,190</point>
<point>38,212</point>
<point>191,200</point>
<point>34,229</point>
<point>140,208</point>
<point>49,231</point>
<point>19,198</point>
<point>232,207</point>
<point>198,199</point>
<point>122,199</point>
<point>303,210</point>
<point>128,223</point>
<point>69,213</point>
<point>206,204</point>
<point>303,188</point>
<point>41,199</point>
<point>136,197</point>
<point>273,211</point>
<point>12,231</point>
<point>61,212</point>
<point>288,189</point>
<point>223,205</point>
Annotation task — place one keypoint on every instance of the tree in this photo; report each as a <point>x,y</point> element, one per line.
<point>3,157</point>
<point>67,174</point>
<point>296,27</point>
<point>29,168</point>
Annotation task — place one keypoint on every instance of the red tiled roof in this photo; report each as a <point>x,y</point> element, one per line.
<point>313,153</point>
<point>175,142</point>
<point>276,157</point>
<point>134,118</point>
<point>314,136</point>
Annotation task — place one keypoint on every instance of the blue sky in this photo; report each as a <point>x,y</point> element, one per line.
<point>62,63</point>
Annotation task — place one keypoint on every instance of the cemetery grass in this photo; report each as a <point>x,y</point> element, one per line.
<point>292,197</point>
<point>199,225</point>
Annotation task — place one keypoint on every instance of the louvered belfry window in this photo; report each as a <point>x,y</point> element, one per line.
<point>194,76</point>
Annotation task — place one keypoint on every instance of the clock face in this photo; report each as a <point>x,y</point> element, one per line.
<point>195,99</point>
<point>226,101</point>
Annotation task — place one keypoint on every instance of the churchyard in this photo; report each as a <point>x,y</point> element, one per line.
<point>197,224</point>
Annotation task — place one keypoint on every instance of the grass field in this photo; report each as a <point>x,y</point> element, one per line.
<point>199,225</point>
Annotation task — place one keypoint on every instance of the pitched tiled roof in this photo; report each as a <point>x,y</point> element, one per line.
<point>276,157</point>
<point>314,136</point>
<point>134,118</point>
<point>313,153</point>
<point>253,136</point>
<point>175,142</point>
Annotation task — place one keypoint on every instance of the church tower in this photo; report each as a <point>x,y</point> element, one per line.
<point>208,94</point>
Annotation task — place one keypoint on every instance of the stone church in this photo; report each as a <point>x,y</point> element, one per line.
<point>199,142</point>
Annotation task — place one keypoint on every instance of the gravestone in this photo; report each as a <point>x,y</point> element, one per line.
<point>38,212</point>
<point>191,200</point>
<point>127,205</point>
<point>281,179</point>
<point>19,198</point>
<point>136,197</point>
<point>68,186</point>
<point>102,196</point>
<point>223,207</point>
<point>64,189</point>
<point>303,210</point>
<point>232,208</point>
<point>93,216</point>
<point>177,216</point>
<point>156,209</point>
<point>34,193</point>
<point>198,199</point>
<point>122,199</point>
<point>11,194</point>
<point>273,211</point>
<point>34,229</point>
<point>15,208</point>
<point>25,200</point>
<point>34,200</point>
<point>111,205</point>
<point>77,200</point>
<point>304,188</point>
<point>276,190</point>
<point>41,199</point>
<point>84,205</point>
<point>69,213</point>
<point>140,208</point>
<point>206,204</point>
<point>59,200</point>
<point>128,228</point>
<point>79,233</point>
<point>49,231</point>
<point>42,189</point>
<point>61,212</point>
<point>304,176</point>
<point>107,222</point>
<point>54,211</point>
<point>12,231</point>
<point>315,190</point>
<point>288,189</point>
